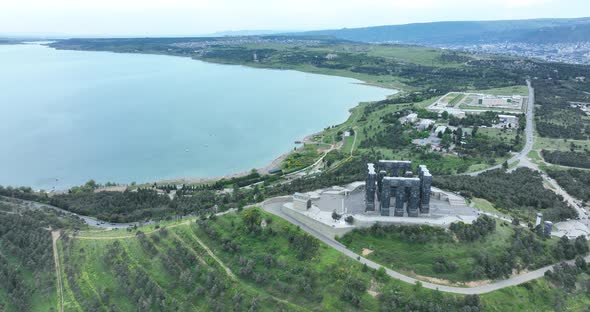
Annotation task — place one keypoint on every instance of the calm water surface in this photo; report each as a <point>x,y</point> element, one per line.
<point>70,116</point>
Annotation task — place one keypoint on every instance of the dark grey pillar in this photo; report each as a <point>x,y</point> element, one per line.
<point>425,185</point>
<point>385,197</point>
<point>370,188</point>
<point>400,198</point>
<point>380,177</point>
<point>414,200</point>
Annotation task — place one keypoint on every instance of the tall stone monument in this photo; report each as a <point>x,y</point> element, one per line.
<point>395,181</point>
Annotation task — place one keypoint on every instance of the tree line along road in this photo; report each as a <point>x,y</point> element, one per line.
<point>275,208</point>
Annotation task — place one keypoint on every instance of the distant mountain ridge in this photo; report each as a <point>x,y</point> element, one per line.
<point>468,32</point>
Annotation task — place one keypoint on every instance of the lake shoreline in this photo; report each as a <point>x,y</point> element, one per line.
<point>275,163</point>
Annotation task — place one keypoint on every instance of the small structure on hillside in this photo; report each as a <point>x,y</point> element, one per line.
<point>424,124</point>
<point>510,121</point>
<point>539,219</point>
<point>301,201</point>
<point>440,129</point>
<point>410,118</point>
<point>548,226</point>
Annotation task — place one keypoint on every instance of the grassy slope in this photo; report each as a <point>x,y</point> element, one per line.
<point>39,283</point>
<point>96,275</point>
<point>333,268</point>
<point>485,205</point>
<point>536,295</point>
<point>417,258</point>
<point>559,144</point>
<point>39,300</point>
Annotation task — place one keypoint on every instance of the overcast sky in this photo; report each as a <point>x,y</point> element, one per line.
<point>194,17</point>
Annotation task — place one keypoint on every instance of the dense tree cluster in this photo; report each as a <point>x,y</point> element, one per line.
<point>523,250</point>
<point>142,204</point>
<point>480,228</point>
<point>443,265</point>
<point>304,244</point>
<point>527,251</point>
<point>264,260</point>
<point>353,290</point>
<point>114,206</point>
<point>140,287</point>
<point>23,238</point>
<point>419,234</point>
<point>285,275</point>
<point>392,136</point>
<point>487,119</point>
<point>394,299</point>
<point>555,118</point>
<point>23,192</point>
<point>571,277</point>
<point>26,257</point>
<point>567,158</point>
<point>575,182</point>
<point>521,190</point>
<point>486,147</point>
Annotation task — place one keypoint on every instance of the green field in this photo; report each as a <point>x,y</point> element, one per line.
<point>560,144</point>
<point>505,135</point>
<point>300,158</point>
<point>224,263</point>
<point>416,258</point>
<point>485,205</point>
<point>457,99</point>
<point>536,295</point>
<point>514,90</point>
<point>246,261</point>
<point>230,264</point>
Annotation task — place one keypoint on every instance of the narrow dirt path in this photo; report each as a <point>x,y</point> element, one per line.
<point>212,255</point>
<point>132,235</point>
<point>60,292</point>
<point>188,246</point>
<point>234,277</point>
<point>353,143</point>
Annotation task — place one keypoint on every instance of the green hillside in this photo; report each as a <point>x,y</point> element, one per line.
<point>464,32</point>
<point>249,261</point>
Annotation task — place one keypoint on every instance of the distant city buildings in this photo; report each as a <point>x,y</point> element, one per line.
<point>566,52</point>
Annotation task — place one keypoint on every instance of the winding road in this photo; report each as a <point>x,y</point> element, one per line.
<point>529,131</point>
<point>521,157</point>
<point>523,160</point>
<point>275,208</point>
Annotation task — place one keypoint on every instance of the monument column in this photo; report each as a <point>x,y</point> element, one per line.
<point>400,198</point>
<point>425,185</point>
<point>385,197</point>
<point>414,199</point>
<point>370,188</point>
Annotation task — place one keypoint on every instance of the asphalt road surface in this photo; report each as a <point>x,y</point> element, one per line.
<point>275,208</point>
<point>528,131</point>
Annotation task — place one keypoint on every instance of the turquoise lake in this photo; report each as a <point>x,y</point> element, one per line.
<point>70,116</point>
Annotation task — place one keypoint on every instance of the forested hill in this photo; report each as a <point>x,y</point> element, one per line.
<point>466,32</point>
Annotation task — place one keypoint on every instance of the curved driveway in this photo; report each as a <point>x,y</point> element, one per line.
<point>528,131</point>
<point>275,208</point>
